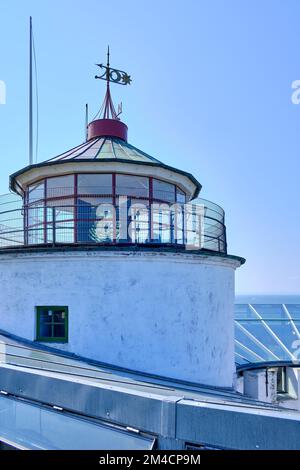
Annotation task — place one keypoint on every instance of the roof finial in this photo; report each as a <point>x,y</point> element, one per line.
<point>115,76</point>
<point>107,68</point>
<point>108,56</point>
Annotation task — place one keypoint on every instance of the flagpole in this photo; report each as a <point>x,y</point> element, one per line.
<point>30,95</point>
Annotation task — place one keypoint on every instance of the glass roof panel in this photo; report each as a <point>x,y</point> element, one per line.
<point>243,311</point>
<point>284,330</point>
<point>276,336</point>
<point>270,311</point>
<point>257,329</point>
<point>251,344</point>
<point>119,151</point>
<point>92,151</point>
<point>245,354</point>
<point>106,150</point>
<point>294,310</point>
<point>239,360</point>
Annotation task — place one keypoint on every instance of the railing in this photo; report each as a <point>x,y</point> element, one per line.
<point>196,226</point>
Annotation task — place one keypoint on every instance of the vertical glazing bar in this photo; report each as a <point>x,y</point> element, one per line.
<point>116,211</point>
<point>25,222</point>
<point>150,215</point>
<point>45,212</point>
<point>53,225</point>
<point>175,219</point>
<point>75,215</point>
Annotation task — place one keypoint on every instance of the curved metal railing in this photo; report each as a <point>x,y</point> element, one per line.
<point>196,226</point>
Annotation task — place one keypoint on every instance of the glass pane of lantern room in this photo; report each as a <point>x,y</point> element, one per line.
<point>177,218</point>
<point>94,184</point>
<point>163,191</point>
<point>35,224</point>
<point>180,196</point>
<point>60,186</point>
<point>138,228</point>
<point>161,223</point>
<point>133,186</point>
<point>95,219</point>
<point>105,223</point>
<point>60,220</point>
<point>36,192</point>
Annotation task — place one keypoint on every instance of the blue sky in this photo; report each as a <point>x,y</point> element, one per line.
<point>211,94</point>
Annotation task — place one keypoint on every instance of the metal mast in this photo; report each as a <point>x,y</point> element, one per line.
<point>30,95</point>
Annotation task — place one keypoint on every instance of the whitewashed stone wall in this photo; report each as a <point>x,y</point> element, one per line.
<point>161,313</point>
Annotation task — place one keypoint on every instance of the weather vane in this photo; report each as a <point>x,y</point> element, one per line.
<point>113,75</point>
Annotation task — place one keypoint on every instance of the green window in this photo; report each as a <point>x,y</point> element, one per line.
<point>52,324</point>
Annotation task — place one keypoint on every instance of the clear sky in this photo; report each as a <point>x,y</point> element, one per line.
<point>211,94</point>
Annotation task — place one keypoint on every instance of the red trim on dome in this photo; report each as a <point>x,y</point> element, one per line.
<point>107,128</point>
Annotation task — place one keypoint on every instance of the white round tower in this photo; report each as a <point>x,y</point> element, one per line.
<point>110,256</point>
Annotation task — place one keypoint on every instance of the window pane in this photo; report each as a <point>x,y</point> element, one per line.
<point>59,331</point>
<point>94,184</point>
<point>35,224</point>
<point>139,228</point>
<point>90,201</point>
<point>281,380</point>
<point>63,216</point>
<point>163,191</point>
<point>45,323</point>
<point>180,196</point>
<point>95,219</point>
<point>68,203</point>
<point>137,186</point>
<point>59,317</point>
<point>36,192</point>
<point>60,186</point>
<point>45,330</point>
<point>162,228</point>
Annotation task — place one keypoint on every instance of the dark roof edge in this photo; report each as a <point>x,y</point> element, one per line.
<point>12,177</point>
<point>135,248</point>
<point>266,364</point>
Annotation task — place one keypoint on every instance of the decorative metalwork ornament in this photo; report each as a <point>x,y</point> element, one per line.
<point>113,75</point>
<point>110,75</point>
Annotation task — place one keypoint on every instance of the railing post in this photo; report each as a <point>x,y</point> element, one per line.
<point>53,225</point>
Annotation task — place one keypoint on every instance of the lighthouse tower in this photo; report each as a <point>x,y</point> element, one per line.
<point>112,257</point>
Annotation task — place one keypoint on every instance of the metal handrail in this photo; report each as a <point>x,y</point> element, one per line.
<point>28,225</point>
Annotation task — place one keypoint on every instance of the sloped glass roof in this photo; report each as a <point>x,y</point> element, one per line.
<point>267,329</point>
<point>103,148</point>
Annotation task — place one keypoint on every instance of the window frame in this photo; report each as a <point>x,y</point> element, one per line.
<point>282,383</point>
<point>46,339</point>
<point>44,233</point>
